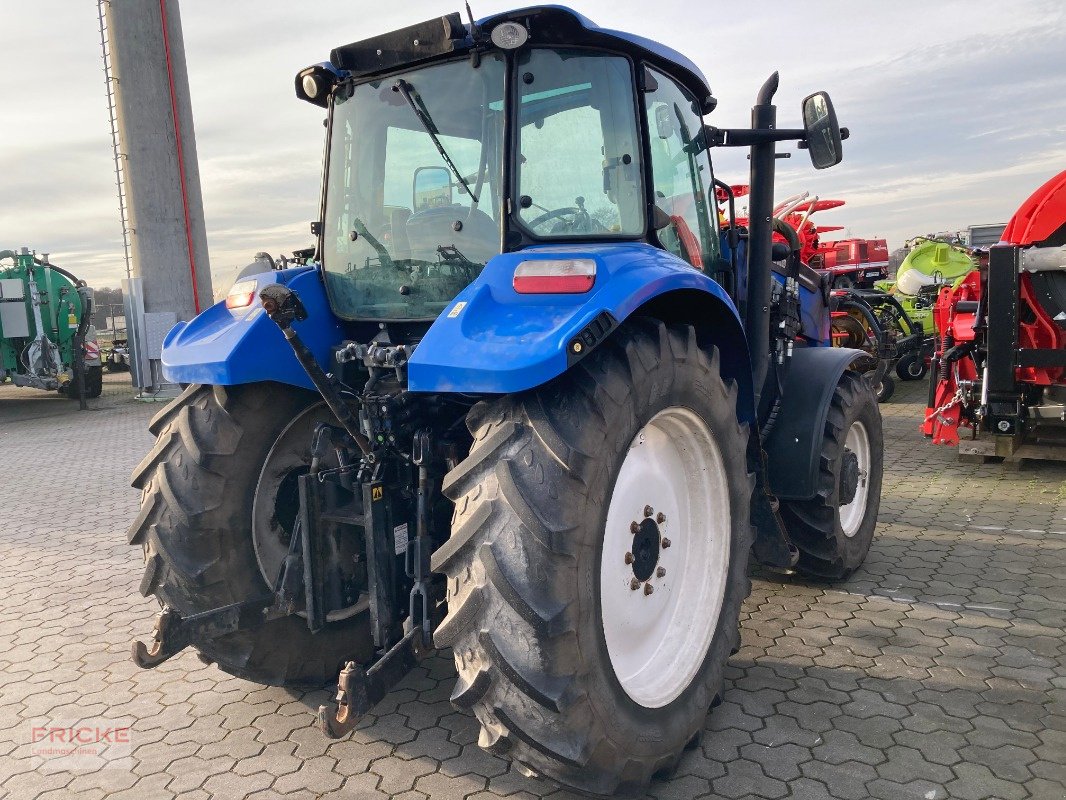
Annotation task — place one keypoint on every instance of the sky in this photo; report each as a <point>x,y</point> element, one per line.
<point>957,110</point>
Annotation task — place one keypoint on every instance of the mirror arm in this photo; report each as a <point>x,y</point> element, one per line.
<point>746,137</point>
<point>844,134</point>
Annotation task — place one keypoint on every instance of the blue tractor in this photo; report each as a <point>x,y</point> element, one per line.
<point>531,401</point>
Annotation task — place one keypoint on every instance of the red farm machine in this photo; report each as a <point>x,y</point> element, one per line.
<point>862,316</point>
<point>1000,363</point>
<point>850,263</point>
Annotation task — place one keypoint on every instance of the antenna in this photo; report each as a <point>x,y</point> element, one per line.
<point>474,31</point>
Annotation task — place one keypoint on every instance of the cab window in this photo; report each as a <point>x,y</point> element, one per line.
<point>578,154</point>
<point>684,223</point>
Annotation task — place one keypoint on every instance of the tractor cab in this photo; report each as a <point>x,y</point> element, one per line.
<point>451,143</point>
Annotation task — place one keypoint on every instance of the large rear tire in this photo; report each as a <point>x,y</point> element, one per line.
<point>588,645</point>
<point>834,529</point>
<point>199,484</point>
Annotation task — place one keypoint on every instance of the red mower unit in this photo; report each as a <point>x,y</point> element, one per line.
<point>850,263</point>
<point>1000,364</point>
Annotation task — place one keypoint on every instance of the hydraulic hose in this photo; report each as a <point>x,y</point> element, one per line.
<point>75,280</point>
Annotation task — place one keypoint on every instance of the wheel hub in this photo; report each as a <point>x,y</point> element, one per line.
<point>649,585</point>
<point>849,477</point>
<point>275,506</point>
<point>645,549</point>
<point>854,483</point>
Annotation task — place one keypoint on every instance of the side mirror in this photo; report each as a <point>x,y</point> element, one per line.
<point>432,188</point>
<point>822,131</point>
<point>664,121</point>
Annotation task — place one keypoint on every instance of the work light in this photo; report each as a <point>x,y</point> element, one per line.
<point>509,35</point>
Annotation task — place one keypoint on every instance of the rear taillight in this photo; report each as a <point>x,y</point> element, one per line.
<point>241,295</point>
<point>555,276</point>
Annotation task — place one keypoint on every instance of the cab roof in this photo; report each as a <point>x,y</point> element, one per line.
<point>548,24</point>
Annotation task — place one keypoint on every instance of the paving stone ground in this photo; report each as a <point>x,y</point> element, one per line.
<point>937,671</point>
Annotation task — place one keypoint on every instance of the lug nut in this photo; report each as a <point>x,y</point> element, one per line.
<point>648,511</point>
<point>634,584</point>
<point>660,572</point>
<point>634,527</point>
<point>665,543</point>
<point>648,589</point>
<point>629,558</point>
<point>660,517</point>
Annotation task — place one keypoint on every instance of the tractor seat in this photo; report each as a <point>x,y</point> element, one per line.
<point>472,233</point>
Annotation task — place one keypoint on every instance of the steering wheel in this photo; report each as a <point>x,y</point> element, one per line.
<point>548,216</point>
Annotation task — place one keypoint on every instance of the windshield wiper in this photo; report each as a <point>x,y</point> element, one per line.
<point>410,95</point>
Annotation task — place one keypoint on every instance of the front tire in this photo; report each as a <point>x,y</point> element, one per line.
<point>199,484</point>
<point>911,367</point>
<point>834,529</point>
<point>539,570</point>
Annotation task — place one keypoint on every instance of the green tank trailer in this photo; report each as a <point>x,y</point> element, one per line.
<point>46,326</point>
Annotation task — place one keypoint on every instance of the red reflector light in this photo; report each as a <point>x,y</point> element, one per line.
<point>241,295</point>
<point>555,276</point>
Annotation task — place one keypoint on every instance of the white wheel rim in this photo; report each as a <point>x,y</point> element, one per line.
<point>852,514</point>
<point>657,641</point>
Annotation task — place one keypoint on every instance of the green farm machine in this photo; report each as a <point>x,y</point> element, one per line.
<point>46,332</point>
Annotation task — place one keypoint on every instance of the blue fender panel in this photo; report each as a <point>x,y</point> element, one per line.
<point>226,347</point>
<point>492,339</point>
<point>795,443</point>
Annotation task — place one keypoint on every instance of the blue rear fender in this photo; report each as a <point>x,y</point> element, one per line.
<point>491,339</point>
<point>225,346</point>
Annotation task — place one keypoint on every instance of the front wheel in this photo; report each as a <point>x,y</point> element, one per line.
<point>911,367</point>
<point>598,561</point>
<point>834,529</point>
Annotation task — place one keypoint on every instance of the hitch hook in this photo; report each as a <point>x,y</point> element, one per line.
<point>359,690</point>
<point>162,646</point>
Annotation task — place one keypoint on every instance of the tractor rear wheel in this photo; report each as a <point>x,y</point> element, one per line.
<point>598,560</point>
<point>218,501</point>
<point>835,528</point>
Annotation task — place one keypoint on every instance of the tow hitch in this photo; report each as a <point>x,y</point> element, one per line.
<point>359,690</point>
<point>173,633</point>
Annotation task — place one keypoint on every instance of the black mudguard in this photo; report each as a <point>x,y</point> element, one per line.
<point>795,441</point>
